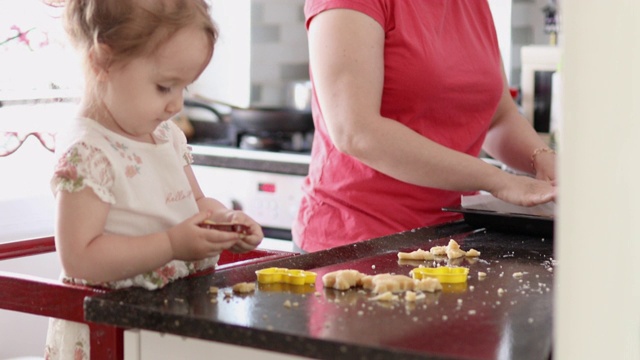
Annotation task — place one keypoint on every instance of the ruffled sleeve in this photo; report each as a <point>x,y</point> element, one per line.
<point>168,131</point>
<point>81,166</point>
<point>179,141</point>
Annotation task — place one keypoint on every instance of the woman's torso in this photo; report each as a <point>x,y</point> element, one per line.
<point>443,80</point>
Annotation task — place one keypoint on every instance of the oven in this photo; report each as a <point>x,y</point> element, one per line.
<point>253,159</point>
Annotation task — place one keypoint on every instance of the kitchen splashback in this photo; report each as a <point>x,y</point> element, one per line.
<point>262,47</point>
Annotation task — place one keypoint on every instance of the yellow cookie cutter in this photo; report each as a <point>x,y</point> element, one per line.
<point>285,276</point>
<point>444,274</point>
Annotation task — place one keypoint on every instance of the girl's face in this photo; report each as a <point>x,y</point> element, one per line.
<point>146,91</point>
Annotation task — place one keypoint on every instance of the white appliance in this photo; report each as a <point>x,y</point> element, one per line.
<point>539,64</point>
<point>265,185</point>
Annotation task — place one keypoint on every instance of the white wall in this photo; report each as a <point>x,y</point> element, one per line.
<point>262,46</point>
<point>597,243</point>
<point>227,78</point>
<point>501,11</point>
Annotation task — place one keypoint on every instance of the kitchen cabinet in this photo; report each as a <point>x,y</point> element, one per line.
<point>501,316</point>
<point>149,345</point>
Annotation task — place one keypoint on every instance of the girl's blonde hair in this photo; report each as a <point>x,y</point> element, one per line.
<point>132,28</point>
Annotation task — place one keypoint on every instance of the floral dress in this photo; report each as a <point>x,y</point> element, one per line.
<point>147,190</point>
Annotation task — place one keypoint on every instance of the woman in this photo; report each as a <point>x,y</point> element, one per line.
<point>406,94</point>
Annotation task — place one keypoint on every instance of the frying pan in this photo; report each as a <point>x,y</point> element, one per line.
<point>207,130</point>
<point>268,119</point>
<point>257,120</point>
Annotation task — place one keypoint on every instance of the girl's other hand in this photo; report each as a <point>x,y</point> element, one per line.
<point>249,240</point>
<point>190,242</point>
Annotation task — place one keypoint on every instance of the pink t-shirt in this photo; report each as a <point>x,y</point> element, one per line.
<point>442,78</point>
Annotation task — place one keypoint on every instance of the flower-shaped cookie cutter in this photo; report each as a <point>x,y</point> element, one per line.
<point>444,274</point>
<point>285,276</point>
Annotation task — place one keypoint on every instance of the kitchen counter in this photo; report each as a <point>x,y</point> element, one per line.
<point>502,316</point>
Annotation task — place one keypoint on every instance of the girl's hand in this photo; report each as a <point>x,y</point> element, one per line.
<point>190,242</point>
<point>525,191</point>
<point>249,240</point>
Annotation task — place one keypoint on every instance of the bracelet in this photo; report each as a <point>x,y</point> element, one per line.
<point>537,152</point>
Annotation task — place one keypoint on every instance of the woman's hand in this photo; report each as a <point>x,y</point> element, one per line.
<point>190,242</point>
<point>524,190</point>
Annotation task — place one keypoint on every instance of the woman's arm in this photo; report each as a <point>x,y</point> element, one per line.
<point>512,140</point>
<point>348,78</point>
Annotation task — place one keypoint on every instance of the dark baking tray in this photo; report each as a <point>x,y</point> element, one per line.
<point>507,222</point>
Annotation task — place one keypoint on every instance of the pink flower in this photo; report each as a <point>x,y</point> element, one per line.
<point>66,170</point>
<point>167,272</point>
<point>131,171</point>
<point>22,36</point>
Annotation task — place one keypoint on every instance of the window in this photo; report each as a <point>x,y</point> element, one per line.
<point>36,60</point>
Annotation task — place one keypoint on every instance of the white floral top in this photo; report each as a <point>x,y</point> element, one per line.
<point>147,190</point>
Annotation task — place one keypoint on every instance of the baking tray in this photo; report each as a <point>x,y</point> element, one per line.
<point>507,222</point>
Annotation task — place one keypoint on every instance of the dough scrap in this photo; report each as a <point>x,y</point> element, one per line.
<point>342,279</point>
<point>387,282</point>
<point>427,284</point>
<point>387,296</point>
<point>473,253</point>
<point>380,283</point>
<point>416,255</point>
<point>453,250</point>
<point>244,287</point>
<point>438,250</point>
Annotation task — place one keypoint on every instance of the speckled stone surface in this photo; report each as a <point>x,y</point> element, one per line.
<point>499,317</point>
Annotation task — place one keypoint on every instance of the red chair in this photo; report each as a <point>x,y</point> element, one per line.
<point>51,298</point>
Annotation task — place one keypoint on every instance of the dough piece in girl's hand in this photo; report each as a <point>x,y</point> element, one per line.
<point>416,255</point>
<point>342,279</point>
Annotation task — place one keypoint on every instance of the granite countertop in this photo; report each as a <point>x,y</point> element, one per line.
<point>501,316</point>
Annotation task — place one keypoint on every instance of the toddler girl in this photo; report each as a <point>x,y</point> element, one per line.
<point>128,203</point>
